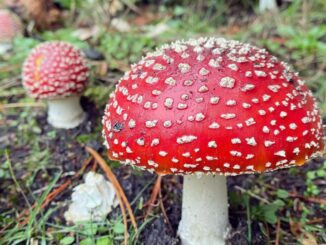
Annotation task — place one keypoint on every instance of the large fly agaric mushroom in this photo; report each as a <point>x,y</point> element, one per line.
<point>206,109</point>
<point>10,27</point>
<point>57,72</point>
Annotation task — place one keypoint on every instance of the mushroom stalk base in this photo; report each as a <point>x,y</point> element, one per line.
<point>66,112</point>
<point>267,5</point>
<point>204,210</point>
<point>5,47</point>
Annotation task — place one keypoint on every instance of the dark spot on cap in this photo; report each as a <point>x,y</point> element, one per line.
<point>117,127</point>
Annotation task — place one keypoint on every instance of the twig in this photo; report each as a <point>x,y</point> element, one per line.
<point>9,68</point>
<point>115,183</point>
<point>164,212</point>
<point>19,105</point>
<point>132,6</point>
<point>10,83</point>
<point>248,212</point>
<point>309,199</point>
<point>315,221</point>
<point>153,197</point>
<point>94,166</point>
<point>124,217</point>
<point>252,194</point>
<point>278,227</point>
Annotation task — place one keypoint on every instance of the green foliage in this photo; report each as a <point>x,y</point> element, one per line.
<point>4,168</point>
<point>22,47</point>
<point>304,42</point>
<point>37,160</point>
<point>65,34</point>
<point>118,228</point>
<point>263,211</point>
<point>104,240</point>
<point>281,193</point>
<point>98,93</point>
<point>311,177</point>
<point>67,240</point>
<point>69,4</point>
<point>267,212</point>
<point>20,50</point>
<point>125,47</point>
<point>27,126</point>
<point>95,136</point>
<point>35,225</point>
<point>188,26</point>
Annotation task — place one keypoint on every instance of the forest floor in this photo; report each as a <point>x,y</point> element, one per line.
<point>282,207</point>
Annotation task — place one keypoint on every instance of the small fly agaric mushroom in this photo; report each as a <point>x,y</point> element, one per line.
<point>57,71</point>
<point>10,27</point>
<point>211,106</point>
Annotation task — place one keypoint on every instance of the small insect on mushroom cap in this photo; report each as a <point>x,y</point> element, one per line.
<point>55,69</point>
<point>10,26</point>
<point>214,106</point>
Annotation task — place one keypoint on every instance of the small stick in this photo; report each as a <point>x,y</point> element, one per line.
<point>164,212</point>
<point>315,221</point>
<point>94,166</point>
<point>132,6</point>
<point>309,199</point>
<point>10,83</point>
<point>153,197</point>
<point>9,68</point>
<point>252,194</point>
<point>22,104</point>
<point>278,227</point>
<point>124,215</point>
<point>115,183</point>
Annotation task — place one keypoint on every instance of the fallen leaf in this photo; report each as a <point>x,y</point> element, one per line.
<point>144,19</point>
<point>305,238</point>
<point>43,12</point>
<point>308,239</point>
<point>120,25</point>
<point>296,228</point>
<point>103,69</point>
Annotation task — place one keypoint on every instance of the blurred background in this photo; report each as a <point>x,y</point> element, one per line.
<point>113,34</point>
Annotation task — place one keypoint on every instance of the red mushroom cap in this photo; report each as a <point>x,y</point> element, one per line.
<point>213,106</point>
<point>10,25</point>
<point>54,69</point>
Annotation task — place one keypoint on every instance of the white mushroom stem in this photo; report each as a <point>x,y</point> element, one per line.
<point>65,112</point>
<point>5,47</point>
<point>204,210</point>
<point>267,5</point>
